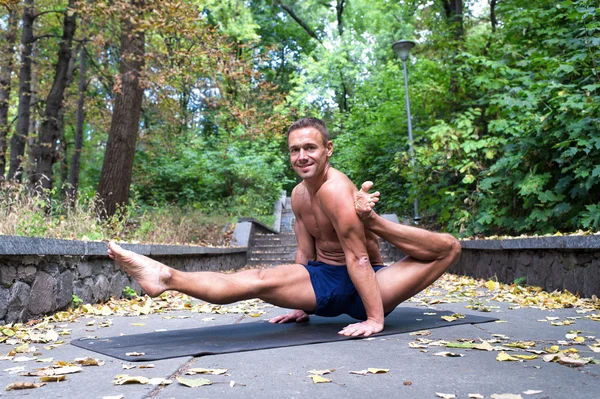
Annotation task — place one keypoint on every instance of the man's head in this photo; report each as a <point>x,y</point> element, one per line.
<point>314,123</point>
<point>310,148</point>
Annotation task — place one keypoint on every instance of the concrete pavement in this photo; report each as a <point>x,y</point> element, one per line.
<point>283,372</point>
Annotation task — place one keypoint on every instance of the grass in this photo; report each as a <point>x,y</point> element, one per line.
<point>24,214</point>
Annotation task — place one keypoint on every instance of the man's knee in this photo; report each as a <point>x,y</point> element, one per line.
<point>454,249</point>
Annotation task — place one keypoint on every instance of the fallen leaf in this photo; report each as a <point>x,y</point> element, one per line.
<point>459,345</point>
<point>526,357</point>
<point>414,345</point>
<point>406,383</point>
<point>194,382</point>
<point>114,397</point>
<point>449,318</point>
<point>317,379</point>
<point>492,285</point>
<point>360,372</point>
<point>23,385</point>
<point>200,370</point>
<point>448,354</point>
<point>532,392</point>
<point>135,354</point>
<point>128,366</point>
<point>147,366</point>
<point>476,396</point>
<point>505,357</point>
<point>422,332</point>
<point>446,395</point>
<point>53,378</point>
<point>126,379</point>
<point>377,371</point>
<point>321,372</point>
<point>484,346</point>
<point>506,396</point>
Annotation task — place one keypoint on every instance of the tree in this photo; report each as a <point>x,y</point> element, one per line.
<point>52,115</point>
<point>6,70</point>
<point>17,144</point>
<point>116,175</point>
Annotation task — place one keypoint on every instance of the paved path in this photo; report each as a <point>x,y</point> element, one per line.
<point>283,373</point>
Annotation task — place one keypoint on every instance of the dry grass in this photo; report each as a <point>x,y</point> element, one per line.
<point>24,214</point>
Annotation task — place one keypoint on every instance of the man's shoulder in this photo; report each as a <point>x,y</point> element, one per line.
<point>337,183</point>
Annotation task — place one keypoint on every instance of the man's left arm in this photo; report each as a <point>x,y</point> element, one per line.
<point>338,204</point>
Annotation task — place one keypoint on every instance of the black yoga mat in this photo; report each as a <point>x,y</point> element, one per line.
<point>258,335</point>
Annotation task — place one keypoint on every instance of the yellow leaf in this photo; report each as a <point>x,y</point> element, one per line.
<point>579,339</point>
<point>321,372</point>
<point>526,357</point>
<point>491,285</point>
<point>317,379</point>
<point>53,378</point>
<point>377,371</point>
<point>505,357</point>
<point>194,382</point>
<point>199,370</point>
<point>449,318</point>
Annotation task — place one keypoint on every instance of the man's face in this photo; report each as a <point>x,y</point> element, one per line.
<point>308,155</point>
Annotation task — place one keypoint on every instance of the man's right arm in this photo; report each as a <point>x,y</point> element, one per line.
<point>306,251</point>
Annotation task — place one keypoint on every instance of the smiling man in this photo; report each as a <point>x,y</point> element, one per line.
<point>338,269</point>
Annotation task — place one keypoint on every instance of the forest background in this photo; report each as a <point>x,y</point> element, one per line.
<point>164,120</point>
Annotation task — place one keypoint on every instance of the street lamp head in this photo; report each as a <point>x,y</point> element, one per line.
<point>402,48</point>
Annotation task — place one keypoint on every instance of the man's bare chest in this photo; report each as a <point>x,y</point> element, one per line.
<point>316,222</point>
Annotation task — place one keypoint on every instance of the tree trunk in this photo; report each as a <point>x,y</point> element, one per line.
<point>6,68</point>
<point>50,128</point>
<point>117,169</point>
<point>17,142</point>
<point>71,189</point>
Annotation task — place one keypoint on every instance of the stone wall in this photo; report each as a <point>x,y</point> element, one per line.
<point>40,276</point>
<point>553,263</point>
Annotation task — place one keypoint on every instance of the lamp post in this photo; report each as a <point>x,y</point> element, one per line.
<point>402,48</point>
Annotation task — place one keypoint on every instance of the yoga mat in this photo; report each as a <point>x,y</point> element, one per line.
<point>258,335</point>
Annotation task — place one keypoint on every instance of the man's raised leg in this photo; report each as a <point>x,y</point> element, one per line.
<point>286,286</point>
<point>429,254</point>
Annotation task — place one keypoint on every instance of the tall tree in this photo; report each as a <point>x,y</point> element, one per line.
<point>51,119</point>
<point>6,70</point>
<point>116,175</point>
<point>17,143</point>
<point>73,185</point>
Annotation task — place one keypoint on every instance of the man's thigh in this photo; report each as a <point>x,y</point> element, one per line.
<point>404,279</point>
<point>288,286</point>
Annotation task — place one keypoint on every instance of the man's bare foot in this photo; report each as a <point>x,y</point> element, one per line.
<point>153,276</point>
<point>364,202</point>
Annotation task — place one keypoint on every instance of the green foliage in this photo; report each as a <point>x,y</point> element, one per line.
<point>240,177</point>
<point>129,292</point>
<point>76,301</point>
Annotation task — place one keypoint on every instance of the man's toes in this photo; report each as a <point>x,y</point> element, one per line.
<point>366,186</point>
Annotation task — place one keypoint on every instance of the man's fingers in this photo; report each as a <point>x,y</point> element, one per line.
<point>366,186</point>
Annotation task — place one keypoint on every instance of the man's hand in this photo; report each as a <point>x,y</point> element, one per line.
<point>299,316</point>
<point>364,202</point>
<point>364,328</point>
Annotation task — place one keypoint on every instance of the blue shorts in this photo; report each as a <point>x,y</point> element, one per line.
<point>335,291</point>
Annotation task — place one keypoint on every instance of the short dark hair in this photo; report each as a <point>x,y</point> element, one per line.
<point>314,123</point>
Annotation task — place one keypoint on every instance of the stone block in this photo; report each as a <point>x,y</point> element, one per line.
<point>84,269</point>
<point>4,294</point>
<point>8,275</point>
<point>64,294</point>
<point>591,282</point>
<point>42,298</point>
<point>101,290</point>
<point>18,302</point>
<point>26,273</point>
<point>524,258</point>
<point>51,268</point>
<point>83,290</point>
<point>118,282</point>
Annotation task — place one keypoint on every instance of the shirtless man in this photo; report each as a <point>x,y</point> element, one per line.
<point>338,264</point>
